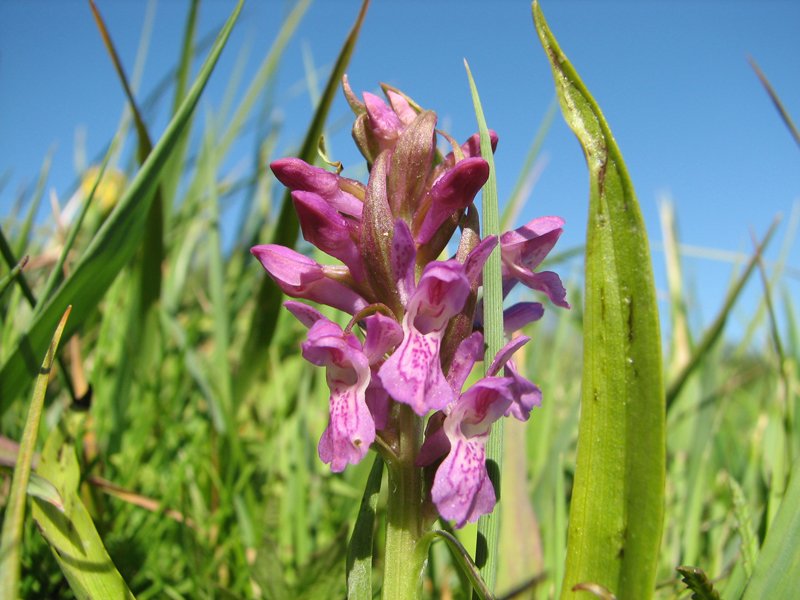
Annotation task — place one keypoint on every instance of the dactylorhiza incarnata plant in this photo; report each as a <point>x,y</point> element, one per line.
<point>415,327</point>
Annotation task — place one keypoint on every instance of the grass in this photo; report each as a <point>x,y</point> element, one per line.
<point>200,487</point>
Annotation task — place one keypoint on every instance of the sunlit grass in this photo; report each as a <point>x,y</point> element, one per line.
<point>217,488</point>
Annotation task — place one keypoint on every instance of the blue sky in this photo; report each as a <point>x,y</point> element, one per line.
<point>672,78</point>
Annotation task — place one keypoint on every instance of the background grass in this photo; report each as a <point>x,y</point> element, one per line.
<point>201,488</point>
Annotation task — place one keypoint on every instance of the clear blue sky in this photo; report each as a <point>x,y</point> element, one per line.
<point>671,77</point>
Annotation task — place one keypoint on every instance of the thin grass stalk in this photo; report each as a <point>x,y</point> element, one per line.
<point>11,538</point>
<point>489,525</point>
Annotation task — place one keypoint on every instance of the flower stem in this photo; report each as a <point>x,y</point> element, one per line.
<point>406,551</point>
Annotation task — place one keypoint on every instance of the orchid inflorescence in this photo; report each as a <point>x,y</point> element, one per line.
<point>415,332</point>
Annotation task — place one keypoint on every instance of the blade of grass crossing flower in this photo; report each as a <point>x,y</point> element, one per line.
<point>359,550</point>
<point>113,245</point>
<point>617,507</point>
<point>775,573</point>
<point>11,539</point>
<point>268,296</point>
<point>489,525</point>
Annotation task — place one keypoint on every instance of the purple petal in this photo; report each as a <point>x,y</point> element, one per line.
<point>383,334</point>
<point>462,490</point>
<point>401,107</point>
<point>520,314</point>
<point>544,281</point>
<point>441,293</point>
<point>382,119</point>
<point>473,265</point>
<point>504,354</point>
<point>350,431</point>
<point>379,403</point>
<point>472,147</point>
<point>527,246</point>
<point>480,406</point>
<point>468,352</point>
<point>307,315</point>
<point>329,231</point>
<point>351,428</point>
<point>436,443</point>
<point>298,175</point>
<point>526,394</point>
<point>413,374</point>
<point>451,192</point>
<point>301,277</point>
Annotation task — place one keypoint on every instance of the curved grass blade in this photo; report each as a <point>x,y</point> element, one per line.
<point>617,507</point>
<point>773,95</point>
<point>775,573</point>
<point>489,525</point>
<point>70,531</point>
<point>359,550</point>
<point>113,245</point>
<point>268,296</point>
<point>464,562</point>
<point>5,280</point>
<point>11,539</point>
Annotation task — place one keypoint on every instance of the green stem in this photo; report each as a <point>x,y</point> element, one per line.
<point>406,551</point>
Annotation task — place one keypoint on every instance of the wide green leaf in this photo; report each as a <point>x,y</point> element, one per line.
<point>111,248</point>
<point>617,506</point>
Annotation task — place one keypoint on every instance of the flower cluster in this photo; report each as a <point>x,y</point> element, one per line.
<point>414,335</point>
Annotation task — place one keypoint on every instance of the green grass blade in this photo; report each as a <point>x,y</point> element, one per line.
<point>776,573</point>
<point>489,525</point>
<point>773,95</point>
<point>38,194</point>
<point>268,296</point>
<point>145,145</point>
<point>6,279</point>
<point>617,508</point>
<point>714,331</point>
<point>465,564</point>
<point>70,531</point>
<point>749,547</point>
<point>11,540</point>
<point>359,550</point>
<point>112,247</point>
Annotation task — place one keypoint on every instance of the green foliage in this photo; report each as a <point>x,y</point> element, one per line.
<point>616,511</point>
<point>195,473</point>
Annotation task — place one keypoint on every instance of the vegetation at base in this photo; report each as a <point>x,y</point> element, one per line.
<point>200,487</point>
